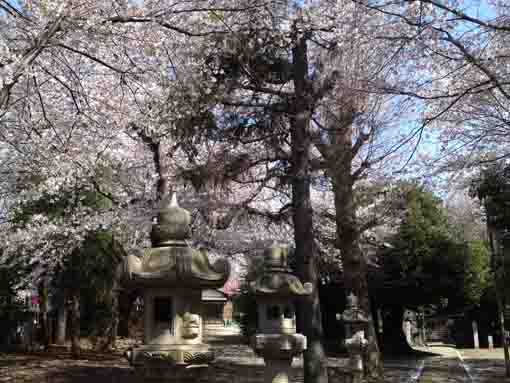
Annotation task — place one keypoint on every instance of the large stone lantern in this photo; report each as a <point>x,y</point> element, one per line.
<point>171,276</point>
<point>276,339</point>
<point>355,324</point>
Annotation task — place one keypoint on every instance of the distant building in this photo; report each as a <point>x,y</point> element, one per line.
<point>218,309</point>
<point>214,302</point>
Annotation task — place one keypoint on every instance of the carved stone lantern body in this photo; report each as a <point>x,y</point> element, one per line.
<point>355,324</point>
<point>276,291</point>
<point>172,276</point>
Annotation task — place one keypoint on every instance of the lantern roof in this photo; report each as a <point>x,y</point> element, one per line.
<point>171,262</point>
<point>277,279</point>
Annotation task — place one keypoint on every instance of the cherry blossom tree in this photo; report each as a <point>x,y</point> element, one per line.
<point>292,81</point>
<point>247,109</point>
<point>73,114</point>
<point>18,52</point>
<point>94,102</point>
<point>462,58</point>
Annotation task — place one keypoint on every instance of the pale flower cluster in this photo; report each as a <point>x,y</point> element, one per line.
<point>117,78</point>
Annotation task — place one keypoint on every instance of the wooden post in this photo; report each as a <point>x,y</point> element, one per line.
<point>490,340</point>
<point>475,335</point>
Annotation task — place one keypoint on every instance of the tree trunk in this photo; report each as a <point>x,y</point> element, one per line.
<point>43,310</point>
<point>75,323</point>
<point>112,336</point>
<point>315,361</point>
<point>61,324</point>
<point>394,339</point>
<point>160,166</point>
<point>126,300</point>
<point>501,309</point>
<point>495,245</point>
<point>354,263</point>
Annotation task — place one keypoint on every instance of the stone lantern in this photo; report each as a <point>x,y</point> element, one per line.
<point>276,339</point>
<point>355,322</point>
<point>171,276</point>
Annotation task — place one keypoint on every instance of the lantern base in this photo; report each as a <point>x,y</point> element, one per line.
<point>172,374</point>
<point>175,354</point>
<point>278,350</point>
<point>278,370</point>
<point>171,363</point>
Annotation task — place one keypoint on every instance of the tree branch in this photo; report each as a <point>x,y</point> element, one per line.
<point>28,58</point>
<point>92,58</point>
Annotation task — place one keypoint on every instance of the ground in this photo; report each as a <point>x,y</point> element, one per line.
<point>451,365</point>
<point>237,363</point>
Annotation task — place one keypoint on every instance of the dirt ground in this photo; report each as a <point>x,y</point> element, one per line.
<point>236,363</point>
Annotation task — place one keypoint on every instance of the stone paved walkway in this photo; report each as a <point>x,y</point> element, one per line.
<point>455,366</point>
<point>446,368</point>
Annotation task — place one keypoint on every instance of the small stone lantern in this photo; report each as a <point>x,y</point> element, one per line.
<point>355,342</point>
<point>276,339</point>
<point>171,276</point>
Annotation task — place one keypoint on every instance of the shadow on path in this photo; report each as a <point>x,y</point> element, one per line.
<point>235,363</point>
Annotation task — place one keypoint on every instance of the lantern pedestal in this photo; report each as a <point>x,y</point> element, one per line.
<point>178,355</point>
<point>278,351</point>
<point>278,370</point>
<point>154,372</point>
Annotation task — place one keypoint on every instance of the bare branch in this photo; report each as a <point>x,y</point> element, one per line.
<point>93,58</point>
<point>28,58</point>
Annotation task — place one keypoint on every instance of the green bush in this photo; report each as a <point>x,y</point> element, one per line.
<point>12,309</point>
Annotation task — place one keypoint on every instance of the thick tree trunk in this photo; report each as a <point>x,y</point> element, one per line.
<point>162,188</point>
<point>315,361</point>
<point>112,334</point>
<point>394,339</point>
<point>494,241</point>
<point>43,311</point>
<point>126,300</point>
<point>51,329</point>
<point>75,323</point>
<point>124,312</point>
<point>160,166</point>
<point>501,309</point>
<point>354,263</point>
<point>61,324</point>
